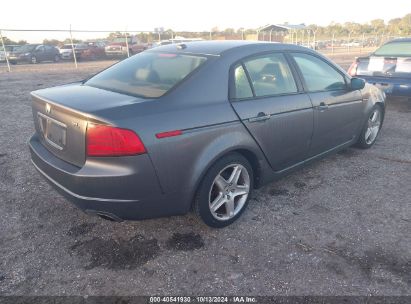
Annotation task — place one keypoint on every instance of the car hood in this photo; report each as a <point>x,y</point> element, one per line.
<point>86,99</point>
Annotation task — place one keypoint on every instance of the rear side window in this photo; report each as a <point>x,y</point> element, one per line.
<point>318,75</point>
<point>147,74</point>
<point>241,84</point>
<point>395,49</point>
<point>270,75</point>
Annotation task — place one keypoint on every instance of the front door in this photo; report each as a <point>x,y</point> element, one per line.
<point>272,106</point>
<point>337,108</point>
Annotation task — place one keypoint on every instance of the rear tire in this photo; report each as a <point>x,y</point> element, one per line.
<point>371,128</point>
<point>225,190</point>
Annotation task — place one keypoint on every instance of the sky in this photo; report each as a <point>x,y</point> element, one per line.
<point>182,15</point>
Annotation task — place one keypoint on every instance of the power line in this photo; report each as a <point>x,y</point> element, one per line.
<point>68,30</point>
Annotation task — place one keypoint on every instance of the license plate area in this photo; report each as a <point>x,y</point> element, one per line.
<point>54,131</point>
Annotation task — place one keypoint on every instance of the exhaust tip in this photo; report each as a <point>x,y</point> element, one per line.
<point>105,215</point>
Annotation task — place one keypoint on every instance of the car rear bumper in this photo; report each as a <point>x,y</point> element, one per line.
<point>66,55</point>
<point>391,86</point>
<point>116,53</point>
<point>121,188</point>
<point>19,58</point>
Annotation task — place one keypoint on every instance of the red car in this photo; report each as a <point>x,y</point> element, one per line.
<point>118,47</point>
<point>90,50</point>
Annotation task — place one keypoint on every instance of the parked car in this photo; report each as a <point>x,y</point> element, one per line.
<point>84,51</point>
<point>389,67</point>
<point>351,44</point>
<point>34,53</point>
<point>118,47</point>
<point>91,50</point>
<point>6,52</point>
<point>66,51</point>
<point>197,125</point>
<point>139,47</point>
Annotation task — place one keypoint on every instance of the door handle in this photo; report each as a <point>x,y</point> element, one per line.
<point>260,117</point>
<point>323,106</point>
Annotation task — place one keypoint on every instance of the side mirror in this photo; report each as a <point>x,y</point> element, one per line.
<point>357,83</point>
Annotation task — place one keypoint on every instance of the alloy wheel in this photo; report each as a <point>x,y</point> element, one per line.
<point>229,192</point>
<point>373,127</point>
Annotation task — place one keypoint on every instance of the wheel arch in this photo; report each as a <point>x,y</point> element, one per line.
<point>251,154</point>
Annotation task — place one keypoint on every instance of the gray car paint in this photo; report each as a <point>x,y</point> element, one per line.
<point>164,181</point>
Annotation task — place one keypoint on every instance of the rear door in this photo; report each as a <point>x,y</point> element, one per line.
<point>337,109</point>
<point>270,102</point>
<point>49,54</point>
<point>40,53</point>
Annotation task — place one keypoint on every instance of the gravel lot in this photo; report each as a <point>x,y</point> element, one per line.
<point>338,227</point>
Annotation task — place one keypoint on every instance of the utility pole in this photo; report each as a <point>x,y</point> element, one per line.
<point>72,48</point>
<point>5,52</point>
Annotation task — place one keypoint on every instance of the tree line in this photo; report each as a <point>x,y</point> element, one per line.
<point>395,27</point>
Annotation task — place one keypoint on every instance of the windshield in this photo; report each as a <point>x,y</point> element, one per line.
<point>27,48</point>
<point>395,49</point>
<point>147,74</point>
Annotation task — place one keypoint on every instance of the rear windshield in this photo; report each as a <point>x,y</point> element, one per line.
<point>147,74</point>
<point>395,49</point>
<point>27,48</point>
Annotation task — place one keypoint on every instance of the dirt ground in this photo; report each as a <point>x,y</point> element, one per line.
<point>341,226</point>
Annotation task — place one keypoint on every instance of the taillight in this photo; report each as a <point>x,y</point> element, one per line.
<point>352,71</point>
<point>110,141</point>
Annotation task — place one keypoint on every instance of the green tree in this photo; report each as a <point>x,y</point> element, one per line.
<point>53,42</point>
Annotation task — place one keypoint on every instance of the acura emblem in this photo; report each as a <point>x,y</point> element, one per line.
<point>48,108</point>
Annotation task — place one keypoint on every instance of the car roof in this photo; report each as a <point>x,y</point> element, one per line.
<point>400,40</point>
<point>218,47</point>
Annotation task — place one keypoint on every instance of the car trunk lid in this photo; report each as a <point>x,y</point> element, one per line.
<point>382,66</point>
<point>61,116</point>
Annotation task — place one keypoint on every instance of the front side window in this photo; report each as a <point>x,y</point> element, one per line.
<point>270,75</point>
<point>147,74</point>
<point>318,75</point>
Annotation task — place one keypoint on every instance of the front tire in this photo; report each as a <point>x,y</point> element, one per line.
<point>371,128</point>
<point>224,192</point>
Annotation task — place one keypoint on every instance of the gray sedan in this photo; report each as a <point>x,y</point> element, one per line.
<point>197,126</point>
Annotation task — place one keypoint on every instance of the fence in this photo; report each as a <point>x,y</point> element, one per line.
<point>357,43</point>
